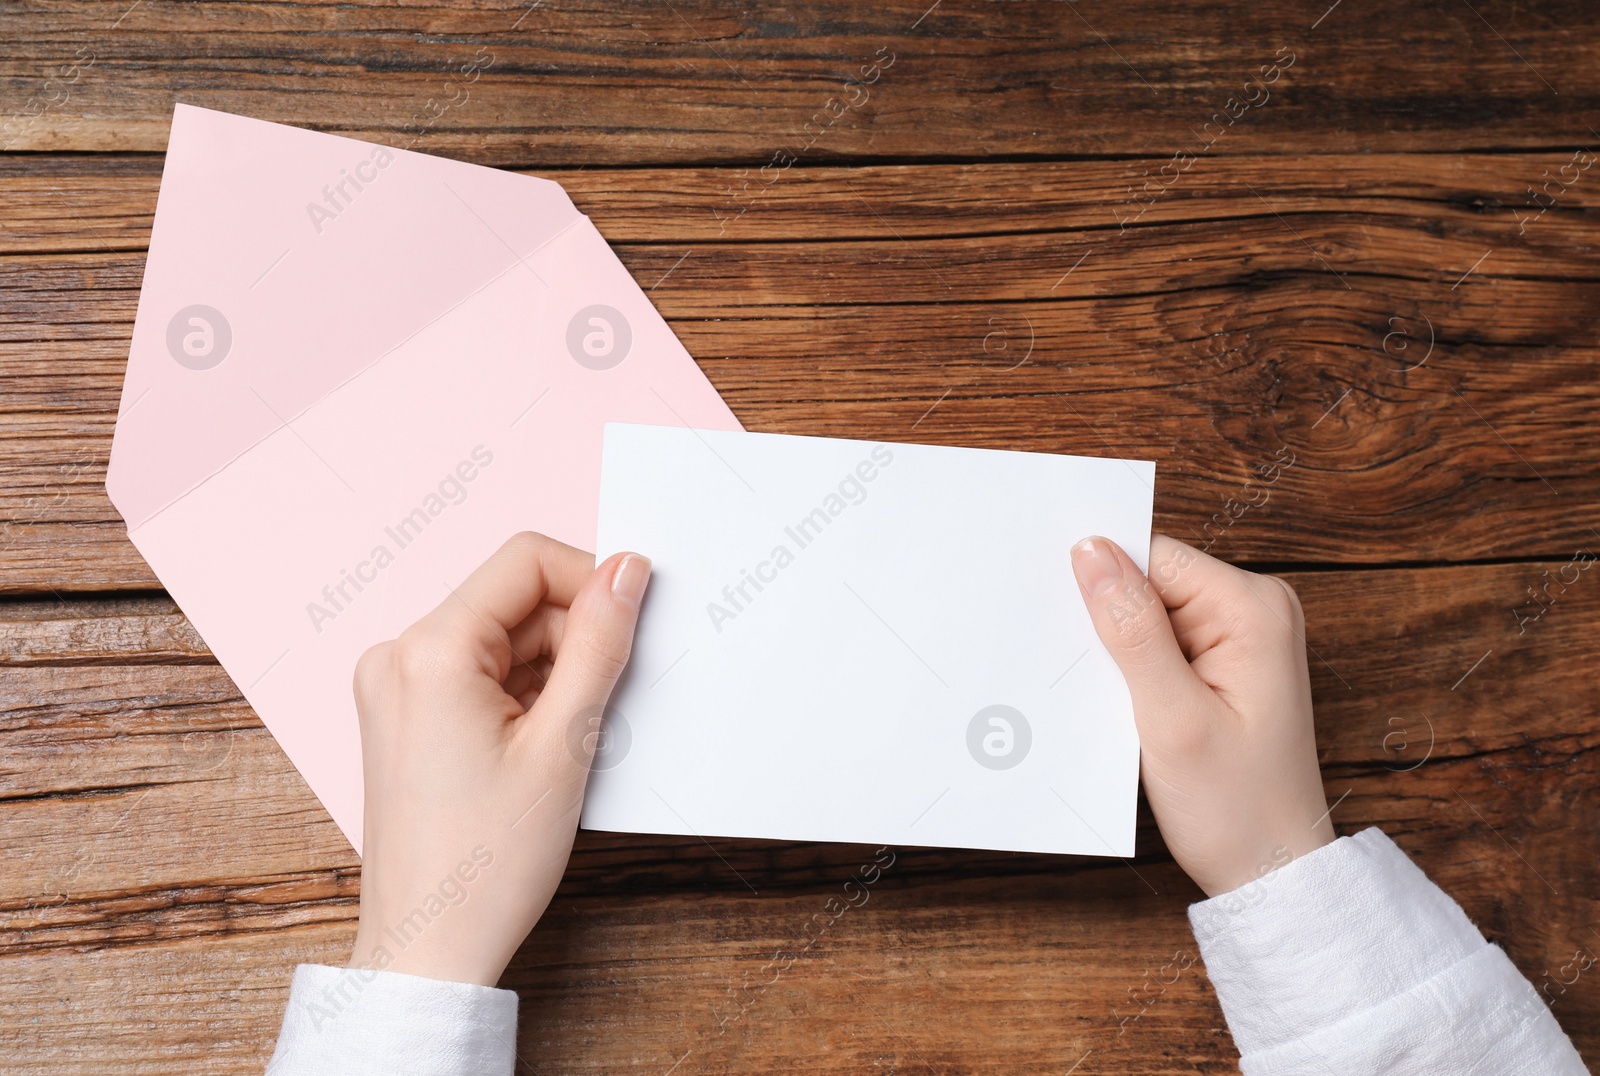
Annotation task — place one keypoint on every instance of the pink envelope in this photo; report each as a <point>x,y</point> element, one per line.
<point>355,371</point>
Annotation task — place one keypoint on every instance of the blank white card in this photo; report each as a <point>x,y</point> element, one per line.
<point>866,642</point>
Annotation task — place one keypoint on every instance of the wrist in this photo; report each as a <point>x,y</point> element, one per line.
<point>400,947</point>
<point>1262,859</point>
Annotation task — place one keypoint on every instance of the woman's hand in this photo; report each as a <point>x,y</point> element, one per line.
<point>1215,660</point>
<point>477,727</point>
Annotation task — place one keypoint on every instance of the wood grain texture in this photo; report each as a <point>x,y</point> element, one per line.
<point>118,732</point>
<point>1430,418</point>
<point>697,82</point>
<point>975,245</point>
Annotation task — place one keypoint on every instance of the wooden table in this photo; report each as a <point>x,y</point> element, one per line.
<point>1092,228</point>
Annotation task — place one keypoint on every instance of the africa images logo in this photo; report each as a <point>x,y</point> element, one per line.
<point>598,337</point>
<point>999,737</point>
<point>199,337</point>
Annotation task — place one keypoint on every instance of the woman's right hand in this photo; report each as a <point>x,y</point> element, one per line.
<point>1215,660</point>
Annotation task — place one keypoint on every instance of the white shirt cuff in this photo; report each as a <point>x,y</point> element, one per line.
<point>362,1022</point>
<point>1349,960</point>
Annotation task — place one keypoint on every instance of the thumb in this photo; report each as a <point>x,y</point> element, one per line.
<point>595,643</point>
<point>1132,622</point>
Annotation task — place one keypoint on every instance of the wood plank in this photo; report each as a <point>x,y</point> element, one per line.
<point>1207,339</point>
<point>88,202</point>
<point>1464,459</point>
<point>117,734</point>
<point>696,82</point>
<point>1044,964</point>
<point>204,1006</point>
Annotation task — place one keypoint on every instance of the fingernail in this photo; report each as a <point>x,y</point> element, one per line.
<point>628,584</point>
<point>1095,565</point>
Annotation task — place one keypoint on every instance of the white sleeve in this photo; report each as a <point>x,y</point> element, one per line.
<point>1349,962</point>
<point>355,1022</point>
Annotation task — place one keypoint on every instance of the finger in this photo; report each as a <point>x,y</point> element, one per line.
<point>597,638</point>
<point>506,588</point>
<point>527,678</point>
<point>540,635</point>
<point>524,682</point>
<point>1208,600</point>
<point>1132,622</point>
<point>1184,576</point>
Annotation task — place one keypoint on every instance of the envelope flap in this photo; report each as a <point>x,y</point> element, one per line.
<point>282,263</point>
